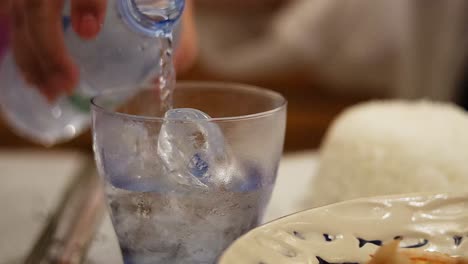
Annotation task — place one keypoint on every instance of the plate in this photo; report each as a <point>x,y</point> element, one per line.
<point>349,232</point>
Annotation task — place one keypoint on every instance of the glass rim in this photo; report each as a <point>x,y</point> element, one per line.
<point>208,84</point>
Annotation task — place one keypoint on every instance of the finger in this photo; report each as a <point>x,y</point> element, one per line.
<point>87,17</point>
<point>44,26</point>
<point>26,60</point>
<point>24,56</point>
<point>187,51</point>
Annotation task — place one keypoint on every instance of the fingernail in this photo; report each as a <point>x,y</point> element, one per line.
<point>88,26</point>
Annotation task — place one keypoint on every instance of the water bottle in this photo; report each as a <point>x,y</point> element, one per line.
<point>125,53</point>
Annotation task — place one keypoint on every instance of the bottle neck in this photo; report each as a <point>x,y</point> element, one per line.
<point>154,18</point>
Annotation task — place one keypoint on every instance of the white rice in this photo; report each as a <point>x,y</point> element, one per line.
<point>391,147</point>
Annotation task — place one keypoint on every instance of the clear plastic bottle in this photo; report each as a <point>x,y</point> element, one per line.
<point>125,53</point>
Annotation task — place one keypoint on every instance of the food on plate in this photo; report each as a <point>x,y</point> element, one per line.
<point>392,147</point>
<point>392,254</point>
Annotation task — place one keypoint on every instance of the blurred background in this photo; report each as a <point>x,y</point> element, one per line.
<point>325,55</point>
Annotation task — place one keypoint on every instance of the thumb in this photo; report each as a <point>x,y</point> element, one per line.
<point>87,17</point>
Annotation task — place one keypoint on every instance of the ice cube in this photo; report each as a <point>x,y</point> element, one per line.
<point>129,161</point>
<point>193,150</point>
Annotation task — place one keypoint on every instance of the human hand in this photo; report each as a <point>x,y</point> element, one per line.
<point>38,46</point>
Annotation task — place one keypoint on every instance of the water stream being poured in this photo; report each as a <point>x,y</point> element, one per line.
<point>167,77</point>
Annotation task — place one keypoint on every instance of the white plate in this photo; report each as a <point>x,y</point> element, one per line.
<point>349,232</point>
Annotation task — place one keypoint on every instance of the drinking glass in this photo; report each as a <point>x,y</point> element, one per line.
<point>181,187</point>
